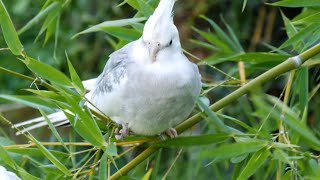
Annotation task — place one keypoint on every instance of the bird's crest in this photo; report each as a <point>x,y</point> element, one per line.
<point>160,21</point>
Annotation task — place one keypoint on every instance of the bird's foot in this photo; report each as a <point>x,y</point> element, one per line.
<point>172,132</point>
<point>122,133</point>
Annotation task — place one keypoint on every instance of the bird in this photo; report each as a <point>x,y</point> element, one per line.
<point>149,85</point>
<point>7,175</point>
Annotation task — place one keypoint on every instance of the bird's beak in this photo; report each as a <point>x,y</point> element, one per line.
<point>153,51</point>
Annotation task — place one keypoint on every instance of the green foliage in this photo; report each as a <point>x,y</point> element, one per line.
<point>261,136</point>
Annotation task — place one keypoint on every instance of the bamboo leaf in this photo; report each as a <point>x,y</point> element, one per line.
<point>256,161</point>
<point>49,22</point>
<point>244,5</point>
<point>227,151</point>
<point>194,140</point>
<point>301,35</point>
<point>103,167</point>
<point>51,157</point>
<point>115,23</point>
<point>282,156</point>
<point>5,157</point>
<point>111,149</point>
<point>46,94</point>
<point>257,57</point>
<point>212,116</point>
<point>222,35</point>
<point>32,101</point>
<point>38,17</point>
<point>37,152</point>
<point>75,78</point>
<point>9,32</point>
<point>145,7</point>
<point>122,33</point>
<point>86,125</point>
<point>53,129</point>
<point>215,40</point>
<point>47,72</point>
<point>204,44</point>
<point>297,3</point>
<point>292,120</point>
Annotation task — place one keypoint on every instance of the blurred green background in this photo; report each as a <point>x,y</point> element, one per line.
<point>258,28</point>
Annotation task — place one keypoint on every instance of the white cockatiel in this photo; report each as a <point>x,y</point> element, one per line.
<point>149,85</point>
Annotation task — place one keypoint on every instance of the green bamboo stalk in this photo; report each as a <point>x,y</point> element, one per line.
<point>28,78</point>
<point>286,66</point>
<point>134,162</point>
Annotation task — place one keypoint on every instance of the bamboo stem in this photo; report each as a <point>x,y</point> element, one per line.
<point>288,65</point>
<point>22,76</point>
<point>141,157</point>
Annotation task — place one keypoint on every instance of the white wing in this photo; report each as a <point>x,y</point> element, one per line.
<point>111,76</point>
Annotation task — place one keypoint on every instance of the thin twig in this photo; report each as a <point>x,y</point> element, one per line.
<point>174,161</point>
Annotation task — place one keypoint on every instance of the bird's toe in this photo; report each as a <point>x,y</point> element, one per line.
<point>172,132</point>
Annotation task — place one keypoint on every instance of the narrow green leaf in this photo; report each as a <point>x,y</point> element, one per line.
<point>5,157</point>
<point>282,156</point>
<point>51,29</point>
<point>103,167</point>
<point>244,5</point>
<point>4,141</point>
<point>122,33</point>
<point>50,168</point>
<point>215,40</point>
<point>38,17</point>
<point>50,21</point>
<point>115,23</point>
<point>9,32</point>
<point>147,10</point>
<point>75,78</point>
<point>37,152</point>
<point>312,18</point>
<point>292,120</point>
<point>25,175</point>
<point>221,34</point>
<point>204,44</point>
<point>234,38</point>
<point>46,94</point>
<point>302,88</point>
<point>297,3</point>
<point>289,26</point>
<point>111,149</point>
<point>194,140</point>
<point>47,72</point>
<point>256,57</point>
<point>256,161</point>
<point>301,35</point>
<point>53,129</point>
<point>51,157</point>
<point>86,125</point>
<point>32,101</point>
<point>133,3</point>
<point>227,151</point>
<point>212,116</point>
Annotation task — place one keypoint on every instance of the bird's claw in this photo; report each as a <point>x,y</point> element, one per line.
<point>122,133</point>
<point>172,132</point>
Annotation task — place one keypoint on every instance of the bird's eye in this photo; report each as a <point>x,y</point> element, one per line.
<point>170,42</point>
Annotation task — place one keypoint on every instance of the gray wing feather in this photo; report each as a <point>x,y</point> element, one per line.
<point>115,70</point>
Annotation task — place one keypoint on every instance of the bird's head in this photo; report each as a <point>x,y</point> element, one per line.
<point>160,34</point>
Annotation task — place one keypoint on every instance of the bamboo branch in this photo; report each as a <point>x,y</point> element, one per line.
<point>28,78</point>
<point>286,66</point>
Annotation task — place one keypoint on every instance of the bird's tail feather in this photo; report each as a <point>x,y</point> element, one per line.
<point>56,118</point>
